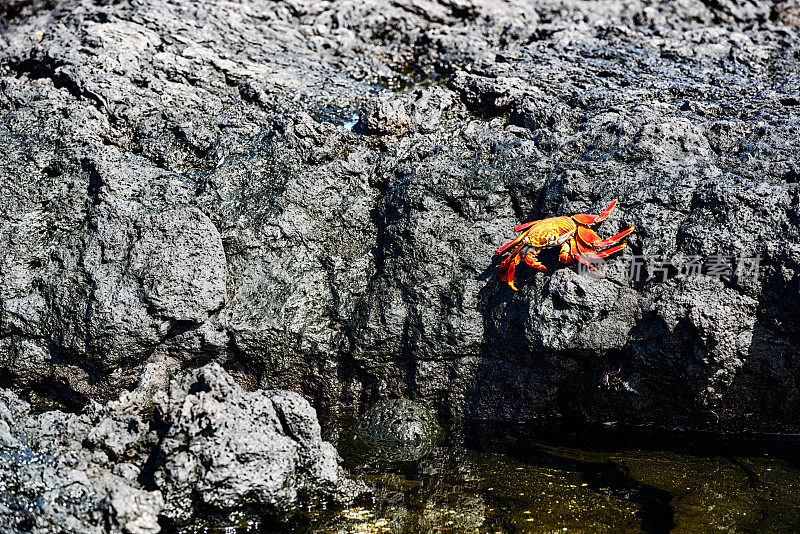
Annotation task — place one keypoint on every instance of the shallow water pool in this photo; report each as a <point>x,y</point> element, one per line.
<point>501,477</point>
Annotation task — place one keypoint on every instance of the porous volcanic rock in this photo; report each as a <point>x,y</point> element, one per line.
<point>225,448</point>
<point>73,473</point>
<point>210,447</point>
<point>181,183</point>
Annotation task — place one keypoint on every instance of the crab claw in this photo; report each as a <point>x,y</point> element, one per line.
<point>507,269</point>
<point>590,237</point>
<point>583,218</point>
<point>531,261</point>
<point>613,250</point>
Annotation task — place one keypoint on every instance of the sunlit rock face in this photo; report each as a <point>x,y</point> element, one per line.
<point>226,448</point>
<point>161,454</point>
<point>187,182</point>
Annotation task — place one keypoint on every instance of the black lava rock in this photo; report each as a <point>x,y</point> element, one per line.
<point>180,183</point>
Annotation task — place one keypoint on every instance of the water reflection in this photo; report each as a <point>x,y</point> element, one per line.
<point>495,477</point>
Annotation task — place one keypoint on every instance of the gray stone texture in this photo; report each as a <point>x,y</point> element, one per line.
<point>179,185</point>
<point>209,447</point>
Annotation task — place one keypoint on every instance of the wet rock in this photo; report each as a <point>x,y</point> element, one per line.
<point>395,431</point>
<point>361,451</point>
<point>400,421</point>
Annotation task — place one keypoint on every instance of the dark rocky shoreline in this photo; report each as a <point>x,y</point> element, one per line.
<point>181,184</point>
<point>178,186</point>
<point>160,456</point>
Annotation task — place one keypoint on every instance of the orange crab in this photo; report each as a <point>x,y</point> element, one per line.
<point>578,242</point>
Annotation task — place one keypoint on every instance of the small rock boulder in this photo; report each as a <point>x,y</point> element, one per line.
<point>384,116</point>
<point>400,421</point>
<point>418,111</point>
<point>226,448</point>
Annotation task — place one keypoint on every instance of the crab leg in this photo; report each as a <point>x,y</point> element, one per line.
<point>591,254</point>
<point>583,218</point>
<point>612,250</point>
<point>509,266</point>
<point>510,244</point>
<point>582,258</point>
<point>582,253</point>
<point>613,240</point>
<point>579,246</point>
<point>590,237</point>
<point>525,226</point>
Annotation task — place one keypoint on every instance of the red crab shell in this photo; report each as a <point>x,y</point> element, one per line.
<point>578,242</point>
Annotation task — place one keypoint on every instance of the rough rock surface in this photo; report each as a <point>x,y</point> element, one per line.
<point>111,469</point>
<point>400,421</point>
<point>225,448</point>
<point>180,184</point>
<point>73,473</point>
